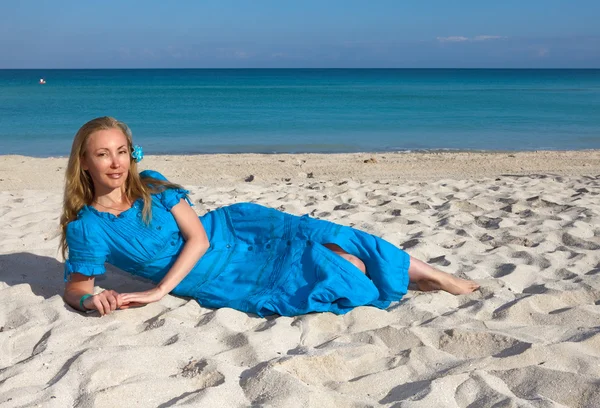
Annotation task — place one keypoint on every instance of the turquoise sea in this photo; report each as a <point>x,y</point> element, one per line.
<point>305,110</point>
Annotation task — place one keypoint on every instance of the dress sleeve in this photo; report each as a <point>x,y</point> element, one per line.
<point>170,197</point>
<point>87,251</point>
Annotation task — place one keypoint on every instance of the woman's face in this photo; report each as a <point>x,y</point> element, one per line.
<point>107,159</point>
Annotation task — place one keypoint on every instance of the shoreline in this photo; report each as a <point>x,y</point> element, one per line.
<point>18,172</point>
<point>380,152</point>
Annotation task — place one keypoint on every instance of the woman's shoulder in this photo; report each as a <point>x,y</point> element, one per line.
<point>83,228</point>
<point>152,174</point>
<point>168,194</point>
<point>84,221</point>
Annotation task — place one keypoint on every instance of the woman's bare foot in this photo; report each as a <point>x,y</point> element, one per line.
<point>448,283</point>
<point>427,278</point>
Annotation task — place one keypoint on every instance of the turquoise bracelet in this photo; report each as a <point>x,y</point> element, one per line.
<point>83,298</point>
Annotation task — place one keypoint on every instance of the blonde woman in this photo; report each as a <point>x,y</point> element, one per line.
<point>244,256</point>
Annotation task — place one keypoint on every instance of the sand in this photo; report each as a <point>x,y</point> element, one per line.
<point>526,226</point>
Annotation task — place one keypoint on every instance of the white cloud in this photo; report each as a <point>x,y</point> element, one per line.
<point>460,38</point>
<point>488,37</point>
<point>452,39</point>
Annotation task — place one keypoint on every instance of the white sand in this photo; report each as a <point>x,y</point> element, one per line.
<point>526,226</point>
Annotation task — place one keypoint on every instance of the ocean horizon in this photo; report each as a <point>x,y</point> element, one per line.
<point>194,111</point>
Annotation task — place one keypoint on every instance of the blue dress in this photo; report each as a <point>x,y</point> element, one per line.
<point>260,260</point>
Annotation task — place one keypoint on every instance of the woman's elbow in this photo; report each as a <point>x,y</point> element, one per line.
<point>200,243</point>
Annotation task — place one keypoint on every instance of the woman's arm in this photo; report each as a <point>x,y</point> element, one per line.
<point>80,285</point>
<point>196,244</point>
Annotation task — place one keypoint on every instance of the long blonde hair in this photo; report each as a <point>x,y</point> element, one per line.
<point>79,187</point>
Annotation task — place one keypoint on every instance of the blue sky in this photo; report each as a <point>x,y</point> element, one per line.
<point>289,34</point>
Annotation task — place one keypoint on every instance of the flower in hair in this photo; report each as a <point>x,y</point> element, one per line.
<point>137,153</point>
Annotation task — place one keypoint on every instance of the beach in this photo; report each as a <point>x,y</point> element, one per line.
<point>524,225</point>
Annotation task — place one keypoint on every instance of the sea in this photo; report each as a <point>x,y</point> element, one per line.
<point>191,111</point>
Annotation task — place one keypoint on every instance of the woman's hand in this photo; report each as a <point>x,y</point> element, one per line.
<point>104,302</point>
<point>141,298</point>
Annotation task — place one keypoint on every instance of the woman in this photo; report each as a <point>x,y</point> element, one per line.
<point>245,256</point>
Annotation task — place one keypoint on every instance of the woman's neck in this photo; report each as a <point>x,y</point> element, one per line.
<point>115,201</point>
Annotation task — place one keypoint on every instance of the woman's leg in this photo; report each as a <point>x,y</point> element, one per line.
<point>426,277</point>
<point>349,257</point>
